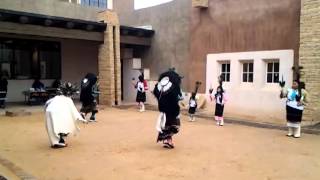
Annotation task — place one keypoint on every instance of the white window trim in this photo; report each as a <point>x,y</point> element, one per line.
<point>267,61</point>
<point>242,62</point>
<point>220,68</point>
<point>144,3</point>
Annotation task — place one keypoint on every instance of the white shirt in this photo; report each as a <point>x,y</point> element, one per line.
<point>140,87</point>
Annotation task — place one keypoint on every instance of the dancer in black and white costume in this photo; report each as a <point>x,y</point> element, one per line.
<point>296,100</point>
<point>88,96</point>
<point>168,93</point>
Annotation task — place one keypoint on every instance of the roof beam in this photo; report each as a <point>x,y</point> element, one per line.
<point>27,29</point>
<point>133,40</point>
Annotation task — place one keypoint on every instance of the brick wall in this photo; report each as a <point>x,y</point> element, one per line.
<point>310,55</point>
<point>109,60</point>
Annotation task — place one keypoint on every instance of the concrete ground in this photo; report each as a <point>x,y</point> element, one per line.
<point>121,145</point>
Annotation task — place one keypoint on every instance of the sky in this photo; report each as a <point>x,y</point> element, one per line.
<point>139,4</point>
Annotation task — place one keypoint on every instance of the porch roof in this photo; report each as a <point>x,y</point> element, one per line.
<point>50,21</point>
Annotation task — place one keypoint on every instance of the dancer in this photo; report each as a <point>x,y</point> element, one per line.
<point>220,98</point>
<point>141,93</point>
<point>193,102</point>
<point>168,93</point>
<point>88,96</point>
<point>296,100</point>
<point>192,107</point>
<point>61,117</point>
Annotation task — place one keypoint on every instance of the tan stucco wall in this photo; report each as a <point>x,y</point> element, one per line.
<point>52,8</point>
<point>310,55</point>
<point>78,58</point>
<point>170,44</point>
<point>240,26</point>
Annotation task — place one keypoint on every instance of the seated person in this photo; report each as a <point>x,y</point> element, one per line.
<point>37,85</point>
<point>56,83</point>
<point>3,89</point>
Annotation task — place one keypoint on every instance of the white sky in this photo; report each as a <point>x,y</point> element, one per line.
<point>139,4</point>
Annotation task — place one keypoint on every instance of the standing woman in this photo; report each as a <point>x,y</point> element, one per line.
<point>220,98</point>
<point>296,100</point>
<point>141,93</point>
<point>192,107</point>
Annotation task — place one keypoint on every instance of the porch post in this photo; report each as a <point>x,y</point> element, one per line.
<point>310,55</point>
<point>109,61</point>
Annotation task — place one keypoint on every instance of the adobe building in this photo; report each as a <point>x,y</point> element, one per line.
<point>254,44</point>
<point>63,39</point>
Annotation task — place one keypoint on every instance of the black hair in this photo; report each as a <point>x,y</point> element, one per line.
<point>141,78</point>
<point>221,92</point>
<point>298,97</point>
<point>193,96</point>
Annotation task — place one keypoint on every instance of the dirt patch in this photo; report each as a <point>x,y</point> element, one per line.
<point>121,145</point>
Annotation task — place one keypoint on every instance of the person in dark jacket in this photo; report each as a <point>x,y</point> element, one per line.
<point>3,89</point>
<point>38,85</point>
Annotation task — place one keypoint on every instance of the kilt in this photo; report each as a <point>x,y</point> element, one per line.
<point>172,127</point>
<point>141,97</point>
<point>89,107</point>
<point>294,115</point>
<point>219,110</point>
<point>192,110</point>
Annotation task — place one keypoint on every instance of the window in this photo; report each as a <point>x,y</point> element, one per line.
<point>95,3</point>
<point>273,71</point>
<point>140,4</point>
<point>225,72</point>
<point>247,72</point>
<point>28,59</point>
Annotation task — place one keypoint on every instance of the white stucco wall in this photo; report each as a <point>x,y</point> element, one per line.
<point>257,100</point>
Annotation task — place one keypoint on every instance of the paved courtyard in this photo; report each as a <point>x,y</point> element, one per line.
<point>122,146</point>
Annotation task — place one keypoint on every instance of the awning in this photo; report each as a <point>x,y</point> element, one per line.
<point>50,21</point>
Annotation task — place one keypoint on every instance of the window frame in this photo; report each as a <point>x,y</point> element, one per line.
<point>103,4</point>
<point>35,65</point>
<point>225,73</point>
<point>248,72</point>
<point>273,72</point>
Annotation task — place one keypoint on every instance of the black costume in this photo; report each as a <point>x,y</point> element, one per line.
<point>168,93</point>
<point>88,95</point>
<point>220,100</point>
<point>141,93</point>
<point>192,104</point>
